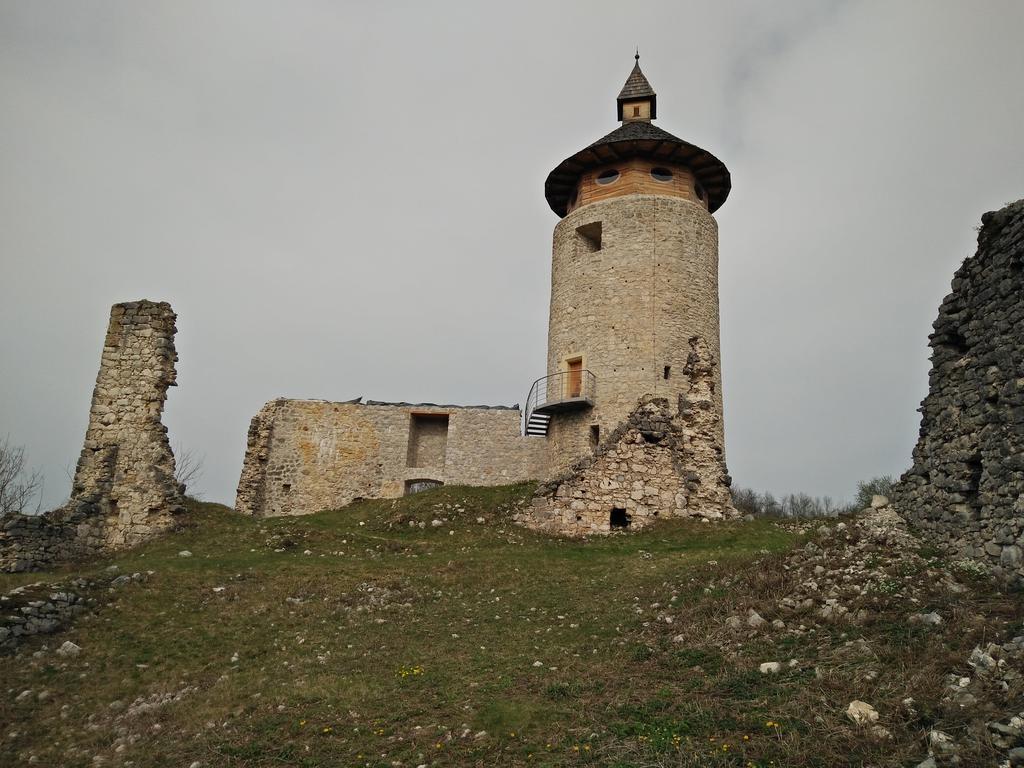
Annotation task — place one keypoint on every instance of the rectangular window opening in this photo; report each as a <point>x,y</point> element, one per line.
<point>595,435</point>
<point>668,372</point>
<point>588,237</point>
<point>428,440</point>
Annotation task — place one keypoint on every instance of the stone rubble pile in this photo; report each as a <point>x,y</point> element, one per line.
<point>854,570</point>
<point>45,608</point>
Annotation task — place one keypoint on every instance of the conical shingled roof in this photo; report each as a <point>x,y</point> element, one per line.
<point>636,88</point>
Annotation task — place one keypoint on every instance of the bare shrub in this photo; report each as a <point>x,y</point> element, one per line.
<point>876,486</point>
<point>750,502</point>
<point>21,488</point>
<point>188,469</point>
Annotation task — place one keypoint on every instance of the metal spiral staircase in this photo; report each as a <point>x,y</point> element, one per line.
<point>559,392</point>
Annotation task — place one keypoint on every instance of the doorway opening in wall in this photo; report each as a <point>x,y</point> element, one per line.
<point>415,486</point>
<point>619,519</point>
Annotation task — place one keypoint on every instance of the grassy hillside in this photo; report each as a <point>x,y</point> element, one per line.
<point>431,631</point>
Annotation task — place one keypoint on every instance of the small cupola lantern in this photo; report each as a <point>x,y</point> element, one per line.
<point>637,100</point>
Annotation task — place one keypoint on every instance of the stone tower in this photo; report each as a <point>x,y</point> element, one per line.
<point>634,284</point>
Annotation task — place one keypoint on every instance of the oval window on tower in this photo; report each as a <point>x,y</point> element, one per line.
<point>607,177</point>
<point>661,174</point>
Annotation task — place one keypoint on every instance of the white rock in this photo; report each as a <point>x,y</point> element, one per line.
<point>878,501</point>
<point>754,619</point>
<point>538,663</point>
<point>770,668</point>
<point>68,649</point>
<point>733,622</point>
<point>861,712</point>
<point>928,619</point>
<point>878,733</point>
<point>184,553</point>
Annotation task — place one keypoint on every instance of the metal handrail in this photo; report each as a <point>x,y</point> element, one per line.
<point>559,388</point>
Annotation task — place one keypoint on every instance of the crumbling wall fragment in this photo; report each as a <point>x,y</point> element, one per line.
<point>124,491</point>
<point>965,490</point>
<point>657,463</point>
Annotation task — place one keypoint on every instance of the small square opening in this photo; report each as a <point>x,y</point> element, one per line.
<point>619,519</point>
<point>588,237</point>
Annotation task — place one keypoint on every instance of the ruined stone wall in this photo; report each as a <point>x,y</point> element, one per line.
<point>965,490</point>
<point>124,490</point>
<point>304,456</point>
<point>656,464</point>
<point>630,308</point>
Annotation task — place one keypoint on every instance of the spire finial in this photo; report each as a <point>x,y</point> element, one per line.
<point>637,57</point>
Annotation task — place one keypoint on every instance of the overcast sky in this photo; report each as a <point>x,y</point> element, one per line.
<point>344,199</point>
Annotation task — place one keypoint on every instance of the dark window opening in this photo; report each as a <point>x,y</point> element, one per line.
<point>589,237</point>
<point>661,174</point>
<point>286,487</point>
<point>595,435</point>
<point>636,111</point>
<point>619,518</point>
<point>956,342</point>
<point>667,372</point>
<point>607,177</point>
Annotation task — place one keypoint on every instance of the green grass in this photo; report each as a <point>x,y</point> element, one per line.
<point>390,643</point>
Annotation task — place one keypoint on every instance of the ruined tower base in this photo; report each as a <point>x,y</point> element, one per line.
<point>655,465</point>
<point>124,491</point>
<point>965,491</point>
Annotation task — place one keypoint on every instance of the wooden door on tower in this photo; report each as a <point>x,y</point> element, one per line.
<point>575,377</point>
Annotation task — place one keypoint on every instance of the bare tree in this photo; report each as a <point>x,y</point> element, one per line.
<point>21,488</point>
<point>188,469</point>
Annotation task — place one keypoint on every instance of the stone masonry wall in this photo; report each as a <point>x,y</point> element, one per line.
<point>304,456</point>
<point>656,464</point>
<point>124,491</point>
<point>965,490</point>
<point>630,308</point>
